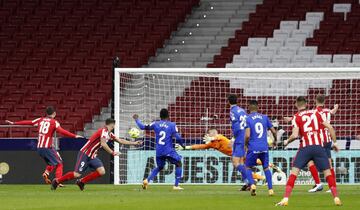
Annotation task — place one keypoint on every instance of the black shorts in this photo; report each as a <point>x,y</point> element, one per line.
<point>315,153</point>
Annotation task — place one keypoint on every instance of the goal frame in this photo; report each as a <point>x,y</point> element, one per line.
<point>118,71</point>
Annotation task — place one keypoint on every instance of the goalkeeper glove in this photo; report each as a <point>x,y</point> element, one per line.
<point>207,139</point>
<point>179,147</point>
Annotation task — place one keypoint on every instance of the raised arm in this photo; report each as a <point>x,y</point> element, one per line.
<point>141,125</point>
<point>335,109</point>
<point>126,142</point>
<point>23,122</point>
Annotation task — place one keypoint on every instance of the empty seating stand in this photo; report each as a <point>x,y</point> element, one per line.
<point>59,52</point>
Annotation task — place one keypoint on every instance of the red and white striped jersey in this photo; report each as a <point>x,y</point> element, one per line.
<point>46,127</point>
<point>94,143</point>
<point>308,122</point>
<point>326,115</point>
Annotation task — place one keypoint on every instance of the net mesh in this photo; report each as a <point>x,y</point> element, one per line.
<point>197,102</point>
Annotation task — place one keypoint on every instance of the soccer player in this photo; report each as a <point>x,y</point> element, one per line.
<point>164,130</point>
<point>306,124</point>
<point>238,125</point>
<point>214,140</point>
<point>46,127</point>
<point>87,156</point>
<point>257,144</point>
<point>328,144</point>
<point>320,101</point>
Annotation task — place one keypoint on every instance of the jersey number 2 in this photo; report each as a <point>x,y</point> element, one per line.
<point>162,137</point>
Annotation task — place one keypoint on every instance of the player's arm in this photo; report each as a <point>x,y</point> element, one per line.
<point>126,142</point>
<point>293,136</point>
<point>332,134</point>
<point>64,132</point>
<point>247,136</point>
<point>107,148</point>
<point>288,119</point>
<point>141,125</point>
<point>23,122</point>
<point>335,109</point>
<point>273,131</point>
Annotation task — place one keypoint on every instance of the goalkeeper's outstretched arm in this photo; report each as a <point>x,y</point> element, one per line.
<point>141,125</point>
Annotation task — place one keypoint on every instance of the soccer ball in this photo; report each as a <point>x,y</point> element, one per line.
<point>134,133</point>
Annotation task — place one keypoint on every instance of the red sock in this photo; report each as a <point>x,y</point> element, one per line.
<point>59,170</point>
<point>66,177</point>
<point>333,174</point>
<point>90,177</point>
<point>49,169</point>
<point>315,174</point>
<point>332,185</point>
<point>290,185</point>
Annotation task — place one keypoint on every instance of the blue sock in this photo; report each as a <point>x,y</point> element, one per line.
<point>268,178</point>
<point>242,170</point>
<point>153,173</point>
<point>178,172</point>
<point>249,176</point>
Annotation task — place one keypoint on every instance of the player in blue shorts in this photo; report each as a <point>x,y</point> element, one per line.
<point>238,125</point>
<point>164,130</point>
<point>257,144</point>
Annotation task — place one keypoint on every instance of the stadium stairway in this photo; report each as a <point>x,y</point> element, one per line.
<point>205,31</point>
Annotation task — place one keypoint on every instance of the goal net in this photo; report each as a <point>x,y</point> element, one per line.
<point>197,101</point>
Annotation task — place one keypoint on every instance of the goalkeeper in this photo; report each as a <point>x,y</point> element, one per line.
<point>214,140</point>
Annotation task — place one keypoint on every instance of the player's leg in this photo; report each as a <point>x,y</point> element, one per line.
<point>99,171</point>
<point>322,162</point>
<point>59,166</point>
<point>264,157</point>
<point>51,161</point>
<point>80,166</point>
<point>238,159</point>
<point>301,159</point>
<point>46,174</point>
<point>328,148</point>
<point>160,163</point>
<point>175,159</point>
<point>315,174</point>
<point>251,162</point>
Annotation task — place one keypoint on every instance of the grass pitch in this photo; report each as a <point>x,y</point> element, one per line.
<point>162,197</point>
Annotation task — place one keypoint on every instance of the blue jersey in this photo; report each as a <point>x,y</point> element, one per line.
<point>258,124</point>
<point>164,133</point>
<point>238,123</point>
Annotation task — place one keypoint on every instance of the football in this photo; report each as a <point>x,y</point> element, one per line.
<point>134,133</point>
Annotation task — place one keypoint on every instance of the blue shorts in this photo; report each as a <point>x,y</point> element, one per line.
<point>238,150</point>
<point>173,158</point>
<point>315,153</point>
<point>50,155</point>
<point>83,162</point>
<point>328,148</point>
<point>251,158</point>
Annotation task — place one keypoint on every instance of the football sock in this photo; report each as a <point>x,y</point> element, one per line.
<point>153,173</point>
<point>250,177</point>
<point>59,170</point>
<point>257,176</point>
<point>66,177</point>
<point>178,172</point>
<point>268,178</point>
<point>90,177</point>
<point>332,185</point>
<point>333,174</point>
<point>49,169</point>
<point>242,170</point>
<point>290,185</point>
<point>315,174</point>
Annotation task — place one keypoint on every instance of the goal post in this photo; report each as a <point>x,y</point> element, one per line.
<point>196,100</point>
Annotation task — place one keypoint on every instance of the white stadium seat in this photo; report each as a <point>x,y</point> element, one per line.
<point>241,59</point>
<point>318,16</point>
<point>294,42</point>
<point>256,42</point>
<point>304,25</point>
<point>292,25</point>
<point>356,58</point>
<point>307,50</point>
<point>300,34</point>
<point>322,59</point>
<point>275,42</point>
<point>261,59</point>
<point>267,51</point>
<point>303,59</point>
<point>248,51</point>
<point>291,51</point>
<point>281,59</point>
<point>342,58</point>
<point>282,34</point>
